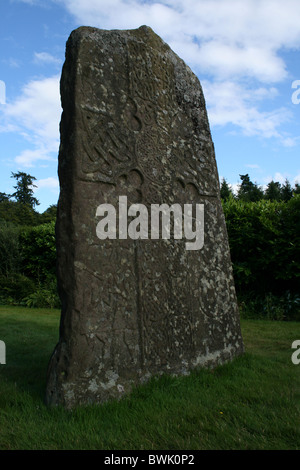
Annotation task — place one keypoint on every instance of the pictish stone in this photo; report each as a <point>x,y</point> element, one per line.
<point>137,300</point>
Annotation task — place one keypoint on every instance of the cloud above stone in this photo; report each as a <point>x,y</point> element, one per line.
<point>228,41</point>
<point>233,46</point>
<point>228,37</point>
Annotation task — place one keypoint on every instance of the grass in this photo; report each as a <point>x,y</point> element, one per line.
<point>250,403</point>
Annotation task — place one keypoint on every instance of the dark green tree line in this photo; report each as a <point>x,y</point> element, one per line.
<point>263,230</point>
<point>251,192</point>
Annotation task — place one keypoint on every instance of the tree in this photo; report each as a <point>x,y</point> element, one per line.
<point>273,191</point>
<point>49,215</point>
<point>4,197</point>
<point>24,191</point>
<point>296,190</point>
<point>286,191</point>
<point>225,190</point>
<point>249,191</point>
<point>18,214</point>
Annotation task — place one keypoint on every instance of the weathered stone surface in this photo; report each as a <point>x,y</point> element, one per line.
<point>134,124</point>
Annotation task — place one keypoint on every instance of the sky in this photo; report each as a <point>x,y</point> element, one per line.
<point>245,53</point>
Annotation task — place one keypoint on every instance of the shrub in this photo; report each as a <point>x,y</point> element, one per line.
<point>39,251</point>
<point>10,255</point>
<point>270,306</point>
<point>43,297</point>
<point>264,244</point>
<point>28,265</point>
<point>15,287</point>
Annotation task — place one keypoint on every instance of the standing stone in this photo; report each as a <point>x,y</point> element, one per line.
<point>134,124</point>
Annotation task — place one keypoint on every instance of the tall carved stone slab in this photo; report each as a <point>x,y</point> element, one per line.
<point>134,124</point>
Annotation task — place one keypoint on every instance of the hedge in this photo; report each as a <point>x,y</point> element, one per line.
<point>264,239</point>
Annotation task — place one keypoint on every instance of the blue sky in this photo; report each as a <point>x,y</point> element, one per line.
<point>245,52</point>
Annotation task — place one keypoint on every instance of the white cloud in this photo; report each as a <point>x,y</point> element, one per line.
<point>28,158</point>
<point>48,183</point>
<point>297,179</point>
<point>290,141</point>
<point>46,58</point>
<point>229,41</point>
<point>227,37</point>
<point>235,187</point>
<point>231,102</point>
<point>35,115</point>
<point>233,60</point>
<point>281,178</point>
<point>12,62</point>
<point>38,108</point>
<point>30,2</point>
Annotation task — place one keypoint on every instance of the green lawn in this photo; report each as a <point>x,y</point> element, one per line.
<point>251,403</point>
